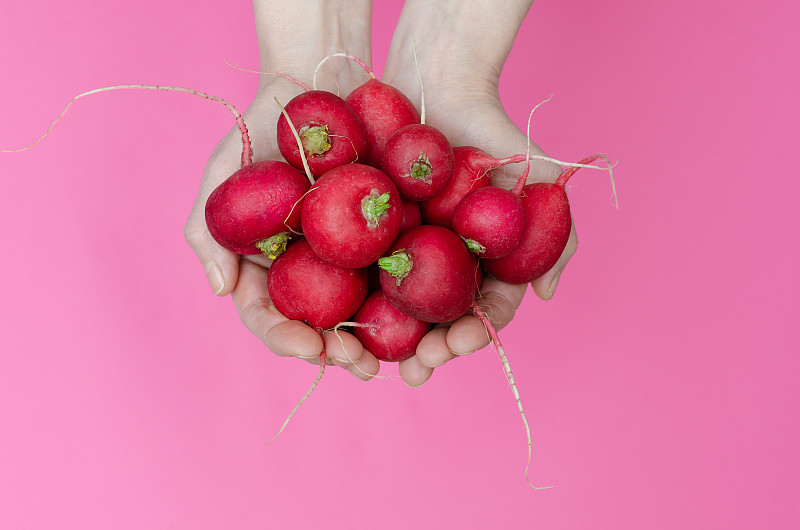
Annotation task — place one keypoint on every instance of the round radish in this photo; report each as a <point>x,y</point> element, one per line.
<point>467,176</point>
<point>419,160</point>
<point>430,275</point>
<point>491,221</point>
<point>256,209</point>
<point>412,216</point>
<point>548,226</point>
<point>352,215</point>
<point>331,133</point>
<point>387,333</point>
<point>383,110</point>
<point>304,287</point>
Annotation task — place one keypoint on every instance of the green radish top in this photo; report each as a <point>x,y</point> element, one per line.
<point>374,207</point>
<point>315,139</point>
<point>398,265</point>
<point>273,246</point>
<point>421,168</point>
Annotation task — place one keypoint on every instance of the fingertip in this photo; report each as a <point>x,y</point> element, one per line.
<point>413,373</point>
<point>467,335</point>
<point>292,338</point>
<point>215,278</point>
<point>545,286</point>
<point>432,350</point>
<point>364,368</point>
<point>342,347</point>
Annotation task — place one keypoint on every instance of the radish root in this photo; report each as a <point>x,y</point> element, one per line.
<point>322,362</point>
<point>361,63</point>
<point>259,72</point>
<point>523,179</point>
<point>510,376</point>
<point>247,151</point>
<point>299,142</point>
<point>564,177</point>
<point>335,330</point>
<point>421,87</point>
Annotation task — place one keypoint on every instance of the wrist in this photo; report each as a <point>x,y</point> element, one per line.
<point>293,37</point>
<point>461,43</point>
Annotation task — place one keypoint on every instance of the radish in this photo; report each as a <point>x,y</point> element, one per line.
<point>331,133</point>
<point>412,216</point>
<point>255,210</point>
<point>305,287</point>
<point>548,226</point>
<point>419,160</point>
<point>352,215</point>
<point>491,221</point>
<point>382,108</point>
<point>429,275</point>
<point>385,331</point>
<point>472,170</point>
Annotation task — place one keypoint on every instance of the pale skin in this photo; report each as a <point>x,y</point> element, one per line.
<point>461,47</point>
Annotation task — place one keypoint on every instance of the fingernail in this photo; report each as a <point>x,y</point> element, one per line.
<point>552,287</point>
<point>215,278</point>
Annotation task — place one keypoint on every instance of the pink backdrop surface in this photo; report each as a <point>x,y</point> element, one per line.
<point>660,382</point>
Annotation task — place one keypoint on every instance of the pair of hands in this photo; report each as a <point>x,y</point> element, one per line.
<point>461,100</point>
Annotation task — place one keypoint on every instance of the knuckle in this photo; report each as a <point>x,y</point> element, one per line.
<point>194,234</point>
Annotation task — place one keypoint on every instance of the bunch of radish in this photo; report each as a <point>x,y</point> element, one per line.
<point>376,223</point>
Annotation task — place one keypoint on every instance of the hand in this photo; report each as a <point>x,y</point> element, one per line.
<point>244,277</point>
<point>462,101</point>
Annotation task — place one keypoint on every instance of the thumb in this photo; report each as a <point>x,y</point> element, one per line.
<point>221,265</point>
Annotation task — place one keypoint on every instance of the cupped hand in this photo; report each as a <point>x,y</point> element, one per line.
<point>466,107</point>
<point>244,277</point>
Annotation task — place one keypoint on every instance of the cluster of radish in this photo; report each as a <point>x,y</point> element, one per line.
<point>376,223</point>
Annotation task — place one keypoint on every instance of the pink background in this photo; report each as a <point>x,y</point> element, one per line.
<point>660,382</point>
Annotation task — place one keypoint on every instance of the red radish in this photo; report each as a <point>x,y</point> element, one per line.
<point>418,157</point>
<point>491,221</point>
<point>352,215</point>
<point>256,209</point>
<point>382,108</point>
<point>473,170</point>
<point>548,226</point>
<point>331,133</point>
<point>386,332</point>
<point>304,287</point>
<point>412,216</point>
<point>419,160</point>
<point>430,275</point>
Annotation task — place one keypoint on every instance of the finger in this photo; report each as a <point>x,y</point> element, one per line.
<point>282,336</point>
<point>365,368</point>
<point>545,285</point>
<point>342,347</point>
<point>413,373</point>
<point>432,350</point>
<point>466,335</point>
<point>499,301</point>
